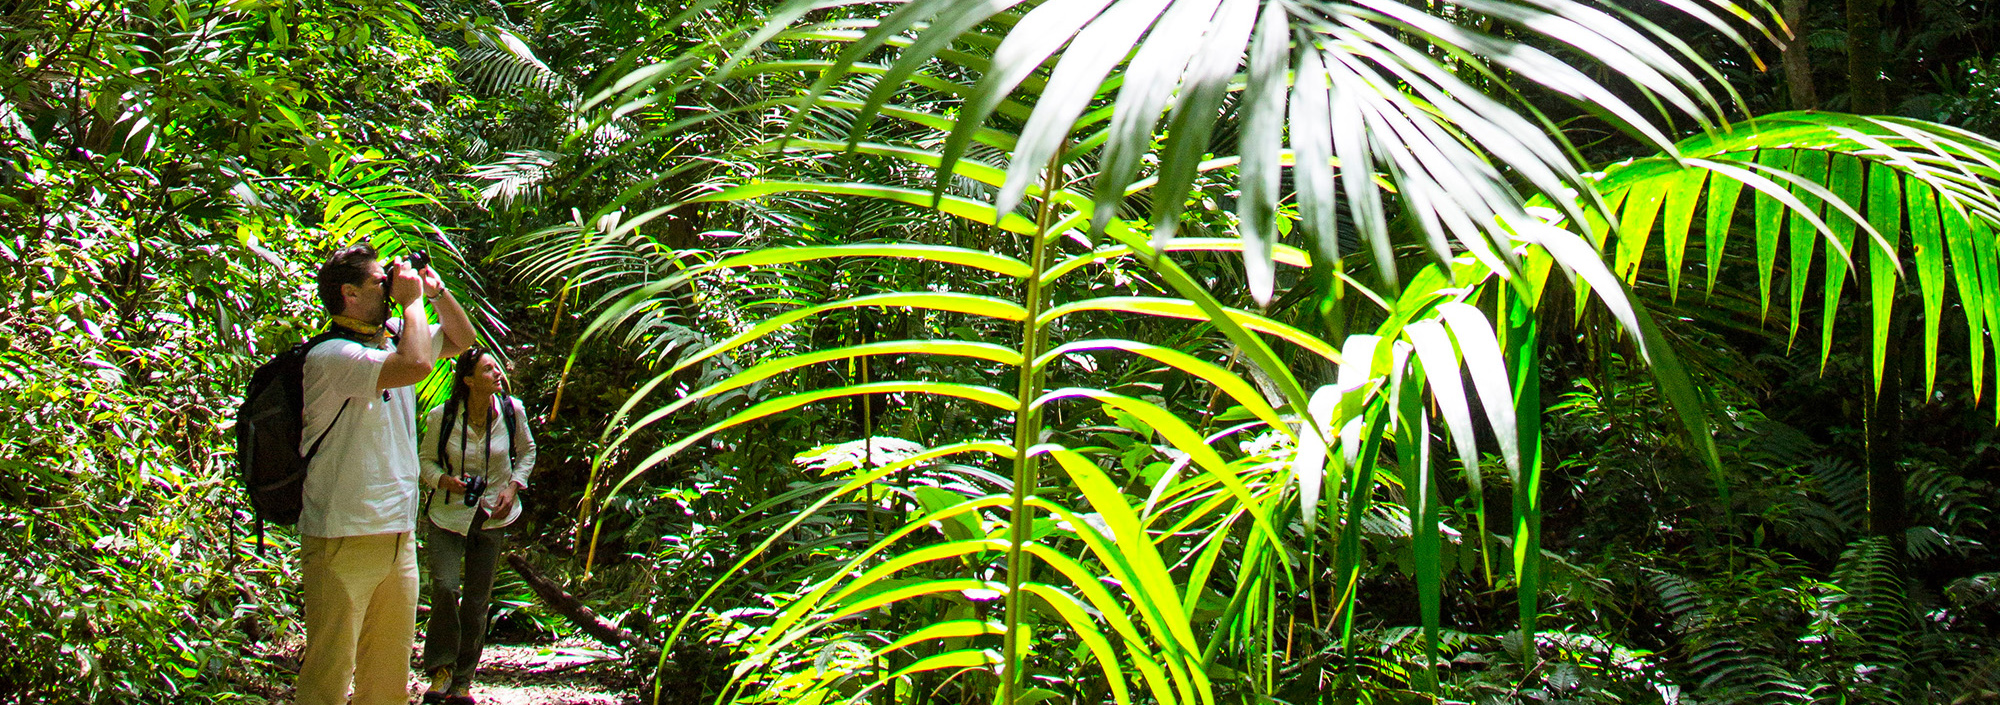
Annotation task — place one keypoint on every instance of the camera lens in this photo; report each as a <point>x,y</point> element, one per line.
<point>474,487</point>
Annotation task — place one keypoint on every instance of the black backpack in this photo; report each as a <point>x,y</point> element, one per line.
<point>269,426</point>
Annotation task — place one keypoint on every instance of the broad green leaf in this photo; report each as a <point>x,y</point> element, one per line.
<point>1309,461</point>
<point>1719,212</point>
<point>1018,56</point>
<point>949,302</point>
<point>1189,310</point>
<point>1197,107</point>
<point>1080,622</point>
<point>1262,124</point>
<point>1642,209</point>
<point>1440,362</point>
<point>1925,236</point>
<point>1971,300</point>
<point>1812,166</point>
<point>1523,340</point>
<point>1131,543</point>
<point>1413,460</point>
<point>1164,687</point>
<point>984,395</point>
<point>1683,194</point>
<point>960,659</point>
<point>1770,217</point>
<point>1228,382</point>
<point>951,629</point>
<point>1488,370</point>
<point>1360,497</point>
<point>1138,567</point>
<point>771,368</point>
<point>1845,182</point>
<point>1183,438</point>
<point>1280,253</point>
<point>1989,282</point>
<point>860,585</point>
<point>1885,213</point>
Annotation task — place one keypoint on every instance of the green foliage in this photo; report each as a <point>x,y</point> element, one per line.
<point>784,247</point>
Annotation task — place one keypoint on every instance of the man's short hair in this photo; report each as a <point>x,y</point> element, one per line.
<point>348,266</point>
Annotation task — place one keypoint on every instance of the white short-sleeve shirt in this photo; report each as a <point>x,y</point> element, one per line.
<point>364,478</point>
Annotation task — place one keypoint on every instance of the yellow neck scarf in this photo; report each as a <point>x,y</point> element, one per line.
<point>357,325</point>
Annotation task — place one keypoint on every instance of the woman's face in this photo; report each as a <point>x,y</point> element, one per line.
<point>485,378</point>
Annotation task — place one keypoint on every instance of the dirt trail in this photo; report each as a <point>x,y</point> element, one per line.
<point>564,673</point>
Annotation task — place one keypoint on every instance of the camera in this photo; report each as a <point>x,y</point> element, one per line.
<point>474,487</point>
<point>416,260</point>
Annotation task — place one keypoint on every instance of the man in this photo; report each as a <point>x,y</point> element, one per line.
<point>357,526</point>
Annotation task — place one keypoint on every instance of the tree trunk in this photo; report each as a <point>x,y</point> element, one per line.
<point>1798,70</point>
<point>1865,94</point>
<point>1887,515</point>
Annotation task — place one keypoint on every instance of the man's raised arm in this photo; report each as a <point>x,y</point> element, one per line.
<point>457,327</point>
<point>413,358</point>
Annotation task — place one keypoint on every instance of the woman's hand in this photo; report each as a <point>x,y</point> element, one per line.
<point>504,501</point>
<point>449,483</point>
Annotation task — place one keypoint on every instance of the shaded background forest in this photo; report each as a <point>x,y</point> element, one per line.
<point>174,171</point>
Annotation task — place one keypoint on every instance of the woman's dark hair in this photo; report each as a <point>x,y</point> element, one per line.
<point>465,366</point>
<point>348,266</point>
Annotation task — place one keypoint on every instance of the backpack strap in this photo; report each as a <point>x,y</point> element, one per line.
<point>332,332</point>
<point>512,427</point>
<point>445,421</point>
<point>444,429</point>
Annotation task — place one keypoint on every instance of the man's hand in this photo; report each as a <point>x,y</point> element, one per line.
<point>405,286</point>
<point>449,483</point>
<point>433,284</point>
<point>413,359</point>
<point>505,500</point>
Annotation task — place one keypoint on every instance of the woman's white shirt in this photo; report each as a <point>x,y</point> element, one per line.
<point>463,456</point>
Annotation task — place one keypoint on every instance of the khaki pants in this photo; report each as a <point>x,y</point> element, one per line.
<point>361,616</point>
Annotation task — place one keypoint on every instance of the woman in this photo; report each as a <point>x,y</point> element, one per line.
<point>476,456</point>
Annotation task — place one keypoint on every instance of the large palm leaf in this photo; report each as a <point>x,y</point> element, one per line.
<point>1431,327</point>
<point>1381,86</point>
<point>1442,146</point>
<point>1825,188</point>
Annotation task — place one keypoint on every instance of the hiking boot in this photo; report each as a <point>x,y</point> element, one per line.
<point>460,694</point>
<point>440,685</point>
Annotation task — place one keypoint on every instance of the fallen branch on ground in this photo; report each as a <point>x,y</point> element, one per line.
<point>556,598</point>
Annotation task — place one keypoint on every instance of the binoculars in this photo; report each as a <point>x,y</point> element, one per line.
<point>474,487</point>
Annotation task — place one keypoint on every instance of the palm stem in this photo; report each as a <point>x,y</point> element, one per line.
<point>1027,430</point>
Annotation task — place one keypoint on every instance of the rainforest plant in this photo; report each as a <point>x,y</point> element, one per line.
<point>1072,95</point>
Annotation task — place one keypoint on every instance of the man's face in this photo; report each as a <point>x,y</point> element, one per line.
<point>369,300</point>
